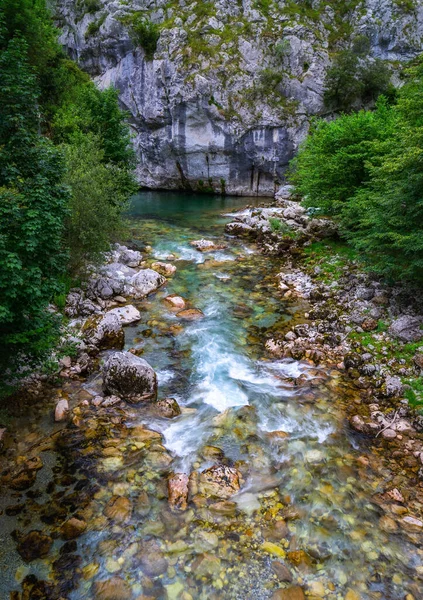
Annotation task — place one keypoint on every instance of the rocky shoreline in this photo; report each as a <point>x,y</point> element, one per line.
<point>341,307</point>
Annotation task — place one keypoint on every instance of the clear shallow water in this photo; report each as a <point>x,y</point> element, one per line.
<point>303,489</point>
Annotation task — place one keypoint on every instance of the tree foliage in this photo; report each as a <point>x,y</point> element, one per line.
<point>354,79</point>
<point>33,207</point>
<point>366,170</point>
<point>65,176</point>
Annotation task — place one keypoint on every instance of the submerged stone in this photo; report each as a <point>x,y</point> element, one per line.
<point>178,491</point>
<point>73,528</point>
<point>291,593</point>
<point>35,544</point>
<point>191,314</point>
<point>219,481</point>
<point>115,588</point>
<point>118,509</point>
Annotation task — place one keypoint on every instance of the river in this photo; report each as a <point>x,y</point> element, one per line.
<point>304,515</point>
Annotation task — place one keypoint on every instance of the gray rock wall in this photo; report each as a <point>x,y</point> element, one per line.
<point>226,100</point>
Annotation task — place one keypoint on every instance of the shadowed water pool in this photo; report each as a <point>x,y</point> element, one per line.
<point>303,520</point>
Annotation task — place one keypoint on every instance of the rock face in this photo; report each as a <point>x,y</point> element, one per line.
<point>225,102</point>
<point>129,377</point>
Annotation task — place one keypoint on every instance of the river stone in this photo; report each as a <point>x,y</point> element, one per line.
<point>61,412</point>
<point>282,572</point>
<point>240,229</point>
<point>73,528</point>
<point>407,328</point>
<point>126,314</point>
<point>131,258</point>
<point>129,377</point>
<point>175,301</point>
<point>152,560</point>
<point>392,387</point>
<point>104,287</point>
<point>412,524</point>
<point>118,509</point>
<point>104,331</point>
<point>178,491</point>
<point>167,408</point>
<point>144,282</point>
<point>34,545</point>
<point>115,588</point>
<point>190,314</point>
<point>418,360</point>
<point>291,593</point>
<point>206,245</point>
<point>165,269</point>
<point>219,481</point>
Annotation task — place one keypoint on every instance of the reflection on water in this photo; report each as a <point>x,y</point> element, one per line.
<point>304,514</point>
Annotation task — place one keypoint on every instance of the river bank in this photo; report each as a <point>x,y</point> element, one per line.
<point>249,483</point>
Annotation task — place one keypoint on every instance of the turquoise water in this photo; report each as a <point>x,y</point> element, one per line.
<point>305,501</point>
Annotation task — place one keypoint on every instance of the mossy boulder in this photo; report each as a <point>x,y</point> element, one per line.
<point>129,377</point>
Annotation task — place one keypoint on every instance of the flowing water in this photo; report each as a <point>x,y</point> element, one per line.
<point>305,500</point>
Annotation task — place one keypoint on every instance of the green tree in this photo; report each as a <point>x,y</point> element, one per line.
<point>99,195</point>
<point>366,170</point>
<point>333,161</point>
<point>87,109</point>
<point>33,206</point>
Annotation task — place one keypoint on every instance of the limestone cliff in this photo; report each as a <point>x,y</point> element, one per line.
<point>227,98</point>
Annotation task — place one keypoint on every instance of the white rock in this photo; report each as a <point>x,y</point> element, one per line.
<point>126,314</point>
<point>61,411</point>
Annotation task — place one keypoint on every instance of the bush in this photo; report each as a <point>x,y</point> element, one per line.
<point>94,26</point>
<point>333,162</point>
<point>33,206</point>
<point>366,170</point>
<point>352,79</point>
<point>97,201</point>
<point>143,33</point>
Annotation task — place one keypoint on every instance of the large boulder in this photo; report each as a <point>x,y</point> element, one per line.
<point>131,258</point>
<point>126,314</point>
<point>144,282</point>
<point>240,229</point>
<point>129,377</point>
<point>407,328</point>
<point>104,287</point>
<point>104,331</point>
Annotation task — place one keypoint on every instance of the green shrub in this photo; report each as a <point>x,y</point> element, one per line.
<point>99,196</point>
<point>351,79</point>
<point>92,6</point>
<point>333,162</point>
<point>279,226</point>
<point>366,170</point>
<point>33,206</point>
<point>143,32</point>
<point>94,26</point>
